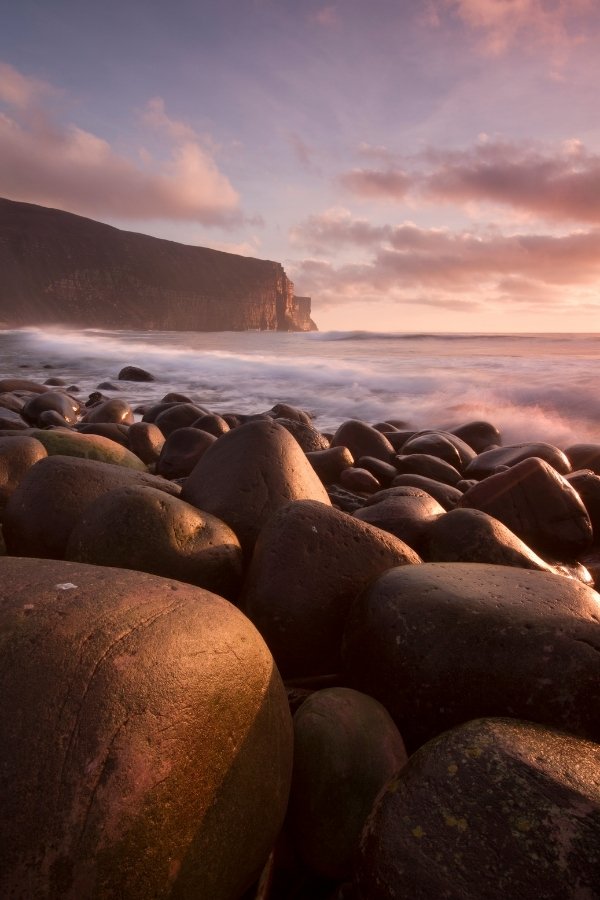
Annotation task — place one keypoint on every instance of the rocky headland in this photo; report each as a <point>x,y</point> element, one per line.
<point>246,660</point>
<point>62,269</point>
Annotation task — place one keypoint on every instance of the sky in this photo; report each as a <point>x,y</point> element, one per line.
<point>431,165</point>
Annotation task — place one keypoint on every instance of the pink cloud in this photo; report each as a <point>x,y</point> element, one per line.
<point>326,16</point>
<point>445,266</point>
<point>555,184</point>
<point>47,162</point>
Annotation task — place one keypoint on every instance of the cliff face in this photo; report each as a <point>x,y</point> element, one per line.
<point>58,268</point>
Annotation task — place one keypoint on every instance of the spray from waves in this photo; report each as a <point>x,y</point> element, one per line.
<point>527,389</point>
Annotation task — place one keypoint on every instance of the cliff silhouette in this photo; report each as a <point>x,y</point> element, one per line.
<point>62,269</point>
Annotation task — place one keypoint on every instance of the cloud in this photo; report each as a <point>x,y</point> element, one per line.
<point>443,267</point>
<point>500,24</point>
<point>45,161</point>
<point>326,16</point>
<point>556,184</point>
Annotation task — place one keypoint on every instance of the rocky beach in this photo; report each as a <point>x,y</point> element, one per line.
<point>247,656</point>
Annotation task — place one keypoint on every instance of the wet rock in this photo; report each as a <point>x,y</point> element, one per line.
<point>65,406</point>
<point>17,455</point>
<point>144,528</point>
<point>404,512</point>
<point>478,435</point>
<point>309,564</point>
<point>180,415</point>
<point>445,494</point>
<point>382,471</point>
<point>116,410</point>
<point>55,382</point>
<point>182,450</point>
<point>146,440</point>
<point>9,385</point>
<point>88,446</point>
<point>212,424</point>
<point>111,430</point>
<point>346,748</point>
<point>428,466</point>
<point>285,411</point>
<point>170,760</point>
<point>49,418</point>
<point>330,463</point>
<point>584,456</point>
<point>12,402</point>
<point>346,501</point>
<point>307,436</point>
<point>442,643</point>
<point>587,485</point>
<point>538,505</point>
<point>362,440</point>
<point>248,474</point>
<point>12,421</point>
<point>134,373</point>
<point>496,808</point>
<point>52,496</point>
<point>487,463</point>
<point>444,446</point>
<point>359,480</point>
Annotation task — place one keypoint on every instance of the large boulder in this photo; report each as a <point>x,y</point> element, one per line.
<point>442,643</point>
<point>309,564</point>
<point>362,440</point>
<point>52,496</point>
<point>405,512</point>
<point>88,446</point>
<point>494,809</point>
<point>146,746</point>
<point>143,528</point>
<point>488,462</point>
<point>248,474</point>
<point>538,505</point>
<point>17,455</point>
<point>346,748</point>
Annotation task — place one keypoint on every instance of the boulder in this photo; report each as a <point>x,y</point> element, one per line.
<point>360,480</point>
<point>182,450</point>
<point>428,466</point>
<point>488,462</point>
<point>111,430</point>
<point>330,463</point>
<point>587,485</point>
<point>538,505</point>
<point>88,446</point>
<point>310,562</point>
<point>52,496</point>
<point>584,456</point>
<point>9,385</point>
<point>212,423</point>
<point>146,529</point>
<point>134,373</point>
<point>404,512</point>
<point>179,415</point>
<point>442,643</point>
<point>445,494</point>
<point>444,446</point>
<point>116,410</point>
<point>17,455</point>
<point>147,742</point>
<point>362,440</point>
<point>248,474</point>
<point>307,435</point>
<point>496,808</point>
<point>478,435</point>
<point>55,401</point>
<point>346,748</point>
<point>146,440</point>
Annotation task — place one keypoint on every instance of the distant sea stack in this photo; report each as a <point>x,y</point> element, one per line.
<point>61,269</point>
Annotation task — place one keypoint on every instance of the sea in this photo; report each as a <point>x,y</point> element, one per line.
<point>540,387</point>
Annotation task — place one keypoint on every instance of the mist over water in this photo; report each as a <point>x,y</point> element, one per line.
<point>533,387</point>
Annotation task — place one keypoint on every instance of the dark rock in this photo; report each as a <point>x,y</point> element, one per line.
<point>309,564</point>
<point>445,494</point>
<point>169,764</point>
<point>398,438</point>
<point>12,402</point>
<point>12,421</point>
<point>150,413</point>
<point>494,809</point>
<point>488,463</point>
<point>182,450</point>
<point>407,515</point>
<point>584,456</point>
<point>362,440</point>
<point>587,485</point>
<point>108,386</point>
<point>440,445</point>
<point>359,480</point>
<point>144,528</point>
<point>134,373</point>
<point>117,411</point>
<point>307,436</point>
<point>8,385</point>
<point>94,399</point>
<point>478,435</point>
<point>17,455</point>
<point>346,501</point>
<point>248,474</point>
<point>67,442</point>
<point>384,472</point>
<point>49,418</point>
<point>111,430</point>
<point>146,440</point>
<point>57,401</point>
<point>428,466</point>
<point>285,411</point>
<point>55,382</point>
<point>212,424</point>
<point>442,643</point>
<point>346,748</point>
<point>174,397</point>
<point>52,496</point>
<point>181,415</point>
<point>538,505</point>
<point>330,463</point>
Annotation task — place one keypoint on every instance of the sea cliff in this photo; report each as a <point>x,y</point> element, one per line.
<point>63,269</point>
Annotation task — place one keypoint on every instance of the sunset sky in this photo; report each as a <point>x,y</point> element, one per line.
<point>427,165</point>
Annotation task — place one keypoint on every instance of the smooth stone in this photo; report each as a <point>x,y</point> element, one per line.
<point>181,415</point>
<point>174,397</point>
<point>494,809</point>
<point>445,494</point>
<point>88,446</point>
<point>147,743</point>
<point>52,496</point>
<point>144,528</point>
<point>55,382</point>
<point>212,424</point>
<point>584,456</point>
<point>115,410</point>
<point>329,464</point>
<point>587,485</point>
<point>17,455</point>
<point>146,440</point>
<point>346,501</point>
<point>538,505</point>
<point>12,402</point>
<point>436,443</point>
<point>310,562</point>
<point>478,435</point>
<point>470,535</point>
<point>108,386</point>
<point>307,435</point>
<point>111,430</point>
<point>360,480</point>
<point>428,466</point>
<point>149,412</point>
<point>488,462</point>
<point>346,749</point>
<point>285,411</point>
<point>12,421</point>
<point>57,401</point>
<point>182,450</point>
<point>384,472</point>
<point>442,643</point>
<point>248,474</point>
<point>399,438</point>
<point>406,515</point>
<point>134,373</point>
<point>8,385</point>
<point>362,440</point>
<point>49,418</point>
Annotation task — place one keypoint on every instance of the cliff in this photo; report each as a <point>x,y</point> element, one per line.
<point>58,268</point>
